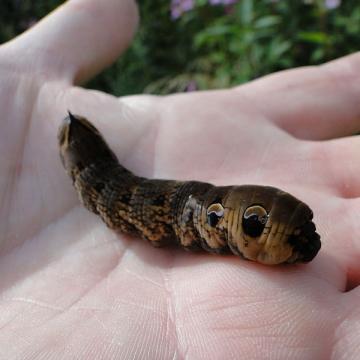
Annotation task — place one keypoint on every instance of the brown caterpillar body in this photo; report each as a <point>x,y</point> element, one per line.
<point>258,223</point>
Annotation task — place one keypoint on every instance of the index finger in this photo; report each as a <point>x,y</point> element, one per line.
<point>317,103</point>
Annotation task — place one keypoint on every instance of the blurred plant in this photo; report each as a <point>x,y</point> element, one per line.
<point>18,15</point>
<point>178,7</point>
<point>222,2</point>
<point>241,40</point>
<point>332,4</point>
<point>185,45</point>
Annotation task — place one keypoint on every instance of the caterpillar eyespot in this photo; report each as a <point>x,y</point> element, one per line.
<point>259,223</point>
<point>214,213</point>
<point>254,220</point>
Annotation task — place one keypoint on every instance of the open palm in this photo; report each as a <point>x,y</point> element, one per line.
<point>71,288</point>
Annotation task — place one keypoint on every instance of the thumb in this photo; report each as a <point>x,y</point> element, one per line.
<point>78,39</point>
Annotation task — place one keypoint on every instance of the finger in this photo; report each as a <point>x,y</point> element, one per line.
<point>337,164</point>
<point>79,39</point>
<point>340,162</point>
<point>313,102</point>
<point>340,230</point>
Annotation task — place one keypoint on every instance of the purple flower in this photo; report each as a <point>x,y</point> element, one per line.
<point>191,86</point>
<point>178,7</point>
<point>332,4</point>
<point>187,5</point>
<point>175,12</point>
<point>222,2</point>
<point>229,2</point>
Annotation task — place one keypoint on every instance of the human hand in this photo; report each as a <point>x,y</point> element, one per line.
<point>71,288</point>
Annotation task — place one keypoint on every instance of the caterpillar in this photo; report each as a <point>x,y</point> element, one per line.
<point>258,223</point>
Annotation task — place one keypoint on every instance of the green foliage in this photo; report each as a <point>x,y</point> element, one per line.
<point>255,38</point>
<point>213,46</point>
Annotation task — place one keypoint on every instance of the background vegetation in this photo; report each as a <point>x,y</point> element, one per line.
<point>184,45</point>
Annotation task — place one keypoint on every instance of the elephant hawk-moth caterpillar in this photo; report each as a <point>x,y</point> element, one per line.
<point>259,223</point>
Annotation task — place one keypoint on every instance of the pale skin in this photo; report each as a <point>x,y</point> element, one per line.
<point>71,288</point>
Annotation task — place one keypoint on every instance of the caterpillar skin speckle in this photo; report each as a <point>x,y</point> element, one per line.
<point>258,223</point>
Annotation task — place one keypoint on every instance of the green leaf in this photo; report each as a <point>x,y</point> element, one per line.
<point>314,37</point>
<point>279,48</point>
<point>267,21</point>
<point>246,11</point>
<point>201,2</point>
